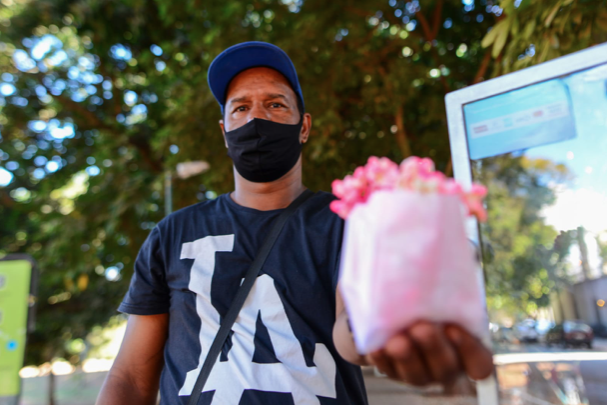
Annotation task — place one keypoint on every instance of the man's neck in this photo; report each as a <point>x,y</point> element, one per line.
<point>268,196</point>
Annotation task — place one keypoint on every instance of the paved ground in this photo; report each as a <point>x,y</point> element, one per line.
<point>81,389</point>
<point>536,383</point>
<point>383,391</point>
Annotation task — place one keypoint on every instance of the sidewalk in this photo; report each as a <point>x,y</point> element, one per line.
<point>82,389</point>
<point>383,391</point>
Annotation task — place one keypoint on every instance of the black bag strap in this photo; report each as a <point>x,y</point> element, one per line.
<point>241,295</point>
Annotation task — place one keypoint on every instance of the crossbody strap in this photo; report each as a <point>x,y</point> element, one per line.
<point>241,295</point>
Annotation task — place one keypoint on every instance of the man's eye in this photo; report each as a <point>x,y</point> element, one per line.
<point>277,105</point>
<point>242,108</point>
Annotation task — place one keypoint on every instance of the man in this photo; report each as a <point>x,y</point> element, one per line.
<point>291,343</point>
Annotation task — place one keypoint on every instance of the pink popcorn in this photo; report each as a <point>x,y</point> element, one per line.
<point>414,173</point>
<point>381,173</point>
<point>414,167</point>
<point>341,208</point>
<point>451,187</point>
<point>474,201</point>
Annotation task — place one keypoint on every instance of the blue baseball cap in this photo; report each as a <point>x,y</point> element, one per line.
<point>245,56</point>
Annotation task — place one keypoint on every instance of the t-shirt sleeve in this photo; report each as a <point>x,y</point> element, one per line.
<point>335,278</point>
<point>148,292</point>
<point>338,234</point>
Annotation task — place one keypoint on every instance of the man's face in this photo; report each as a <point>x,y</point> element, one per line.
<point>262,93</point>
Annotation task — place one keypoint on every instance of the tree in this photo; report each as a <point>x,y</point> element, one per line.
<point>525,258</point>
<point>530,32</point>
<point>100,98</point>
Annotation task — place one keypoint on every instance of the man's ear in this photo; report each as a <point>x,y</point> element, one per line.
<point>223,132</point>
<point>305,128</point>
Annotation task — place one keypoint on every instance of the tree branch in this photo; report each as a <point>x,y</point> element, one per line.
<point>436,20</point>
<point>139,142</point>
<point>430,35</point>
<point>483,67</point>
<point>449,168</point>
<point>79,109</point>
<point>425,25</point>
<point>6,200</point>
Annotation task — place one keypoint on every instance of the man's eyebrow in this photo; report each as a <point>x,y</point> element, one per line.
<point>268,96</point>
<point>238,100</point>
<point>276,95</point>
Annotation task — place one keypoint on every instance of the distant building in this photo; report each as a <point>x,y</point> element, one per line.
<point>586,301</point>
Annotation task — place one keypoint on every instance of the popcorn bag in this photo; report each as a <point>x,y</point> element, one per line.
<point>406,256</point>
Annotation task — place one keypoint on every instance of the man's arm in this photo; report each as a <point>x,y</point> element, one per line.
<point>135,374</point>
<point>342,335</point>
<point>422,354</point>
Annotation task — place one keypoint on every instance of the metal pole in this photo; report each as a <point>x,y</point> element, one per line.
<point>168,193</point>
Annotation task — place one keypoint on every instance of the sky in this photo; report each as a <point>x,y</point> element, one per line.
<point>583,202</point>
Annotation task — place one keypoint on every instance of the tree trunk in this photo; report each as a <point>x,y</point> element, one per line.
<point>581,233</point>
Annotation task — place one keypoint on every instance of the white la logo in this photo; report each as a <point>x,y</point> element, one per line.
<point>229,379</point>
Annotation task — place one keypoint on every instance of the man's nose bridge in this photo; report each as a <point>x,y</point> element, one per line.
<point>257,111</point>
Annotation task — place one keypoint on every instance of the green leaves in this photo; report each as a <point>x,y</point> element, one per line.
<point>524,264</point>
<point>552,14</point>
<point>529,29</point>
<point>498,36</point>
<point>601,20</point>
<point>491,36</point>
<point>553,27</point>
<point>501,38</point>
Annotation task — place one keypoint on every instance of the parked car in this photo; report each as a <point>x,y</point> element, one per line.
<point>542,327</point>
<point>525,331</point>
<point>570,333</point>
<point>501,334</point>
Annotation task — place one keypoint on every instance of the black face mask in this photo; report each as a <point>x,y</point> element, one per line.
<point>264,151</point>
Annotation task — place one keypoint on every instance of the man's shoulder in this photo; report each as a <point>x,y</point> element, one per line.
<point>317,208</point>
<point>204,209</point>
<point>320,203</point>
<point>317,213</point>
<point>324,196</point>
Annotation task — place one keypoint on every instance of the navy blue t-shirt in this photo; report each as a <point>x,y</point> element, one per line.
<point>281,349</point>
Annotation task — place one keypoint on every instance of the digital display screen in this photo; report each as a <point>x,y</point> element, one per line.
<point>541,152</point>
<point>536,115</point>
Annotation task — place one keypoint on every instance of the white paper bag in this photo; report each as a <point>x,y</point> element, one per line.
<point>405,258</point>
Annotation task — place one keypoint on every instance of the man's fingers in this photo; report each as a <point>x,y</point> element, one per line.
<point>428,353</point>
<point>406,361</point>
<point>383,364</point>
<point>475,357</point>
<point>437,351</point>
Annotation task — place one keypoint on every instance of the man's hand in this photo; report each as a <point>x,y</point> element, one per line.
<point>428,353</point>
<point>422,354</point>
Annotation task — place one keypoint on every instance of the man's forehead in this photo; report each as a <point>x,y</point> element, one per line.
<point>257,75</point>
